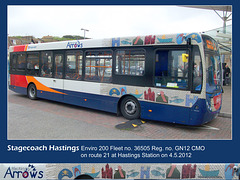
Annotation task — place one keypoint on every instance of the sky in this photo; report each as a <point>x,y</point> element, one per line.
<point>108,21</point>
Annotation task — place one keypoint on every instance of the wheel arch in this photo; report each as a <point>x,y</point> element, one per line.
<point>30,84</point>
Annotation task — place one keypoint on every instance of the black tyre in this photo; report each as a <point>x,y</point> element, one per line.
<point>32,92</point>
<point>130,108</point>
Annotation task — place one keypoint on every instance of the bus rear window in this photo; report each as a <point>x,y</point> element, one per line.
<point>18,62</point>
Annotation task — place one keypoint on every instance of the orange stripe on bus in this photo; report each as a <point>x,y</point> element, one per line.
<point>40,86</point>
<point>26,48</point>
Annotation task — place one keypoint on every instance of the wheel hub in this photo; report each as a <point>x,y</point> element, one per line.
<point>32,92</point>
<point>130,107</point>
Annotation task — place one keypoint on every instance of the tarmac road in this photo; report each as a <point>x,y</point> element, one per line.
<point>47,120</point>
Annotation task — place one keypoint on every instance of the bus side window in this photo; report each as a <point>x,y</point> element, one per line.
<point>58,66</point>
<point>33,64</point>
<point>13,62</point>
<point>171,70</point>
<point>46,63</point>
<point>79,64</point>
<point>21,62</point>
<point>197,70</point>
<point>98,66</point>
<point>130,62</point>
<point>73,67</point>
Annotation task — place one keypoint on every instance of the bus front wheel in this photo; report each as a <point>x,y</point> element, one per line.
<point>130,108</point>
<point>32,92</point>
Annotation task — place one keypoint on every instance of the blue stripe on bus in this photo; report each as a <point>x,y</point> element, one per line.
<point>158,112</point>
<point>18,89</point>
<point>164,112</point>
<point>196,115</point>
<point>94,101</point>
<point>99,102</point>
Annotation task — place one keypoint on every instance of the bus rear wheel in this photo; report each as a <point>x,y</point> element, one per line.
<point>130,108</point>
<point>32,92</point>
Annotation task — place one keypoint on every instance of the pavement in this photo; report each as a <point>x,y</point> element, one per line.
<point>226,110</point>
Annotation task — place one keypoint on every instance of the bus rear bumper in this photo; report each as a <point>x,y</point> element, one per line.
<point>18,89</point>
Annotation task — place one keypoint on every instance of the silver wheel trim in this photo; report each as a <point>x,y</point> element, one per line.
<point>32,92</point>
<point>130,107</point>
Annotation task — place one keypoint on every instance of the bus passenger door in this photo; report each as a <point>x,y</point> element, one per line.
<point>58,76</point>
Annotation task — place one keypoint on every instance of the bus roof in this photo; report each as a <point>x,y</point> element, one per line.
<point>170,39</point>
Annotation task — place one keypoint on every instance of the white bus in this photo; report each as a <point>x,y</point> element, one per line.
<point>173,78</point>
